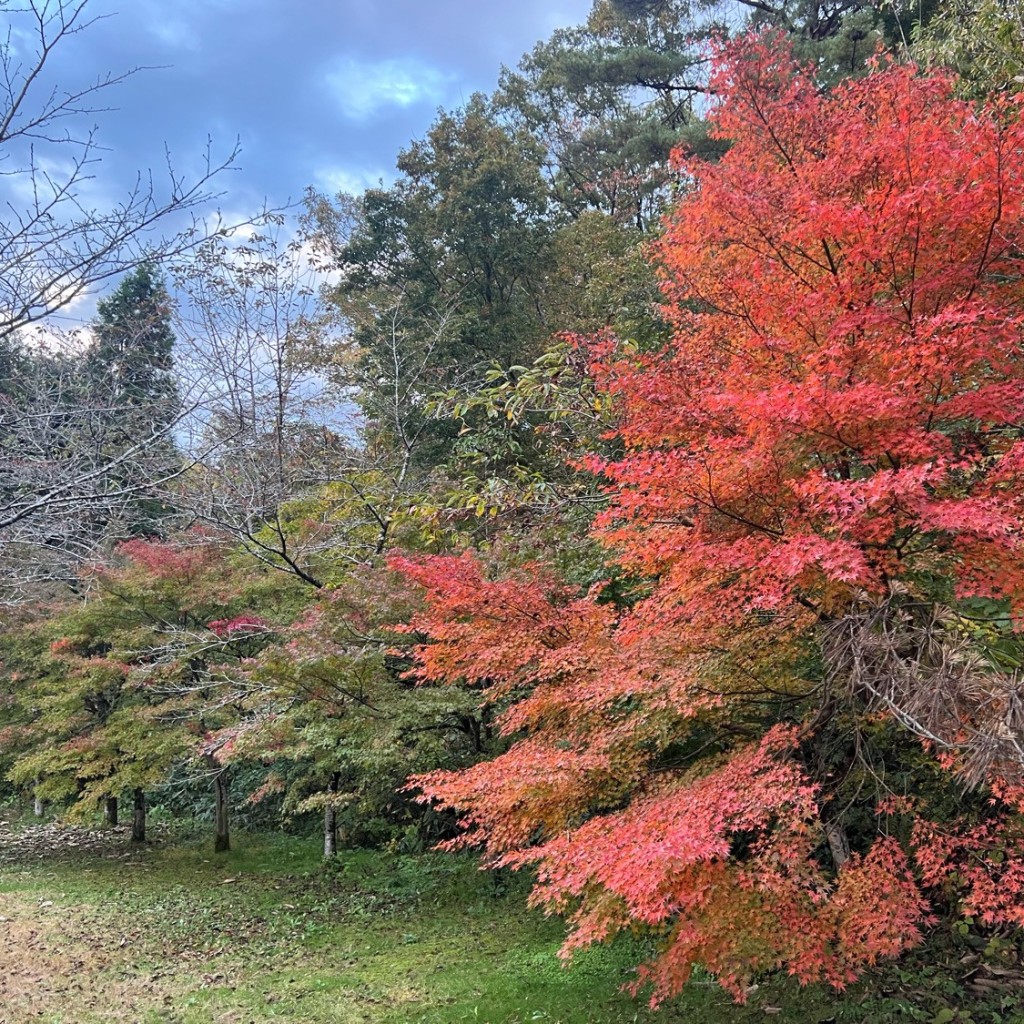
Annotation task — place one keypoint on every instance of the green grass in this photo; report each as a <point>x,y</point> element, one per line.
<point>178,936</point>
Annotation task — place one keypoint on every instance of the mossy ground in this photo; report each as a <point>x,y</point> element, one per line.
<point>176,935</point>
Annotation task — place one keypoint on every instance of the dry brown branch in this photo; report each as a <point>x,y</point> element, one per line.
<point>917,662</point>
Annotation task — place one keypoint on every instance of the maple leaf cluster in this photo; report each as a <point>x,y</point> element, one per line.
<point>834,425</point>
<point>240,625</point>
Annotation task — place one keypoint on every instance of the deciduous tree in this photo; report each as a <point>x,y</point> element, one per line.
<point>55,247</point>
<point>143,675</point>
<point>817,517</point>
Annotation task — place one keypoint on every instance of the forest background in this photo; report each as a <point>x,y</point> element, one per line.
<point>631,490</point>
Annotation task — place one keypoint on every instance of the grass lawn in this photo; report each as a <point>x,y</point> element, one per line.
<point>173,934</point>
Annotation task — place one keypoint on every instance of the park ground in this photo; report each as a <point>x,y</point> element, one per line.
<point>92,930</point>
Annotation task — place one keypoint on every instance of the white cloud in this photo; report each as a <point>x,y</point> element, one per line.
<point>68,329</point>
<point>184,24</point>
<point>175,34</point>
<point>362,88</point>
<point>352,181</point>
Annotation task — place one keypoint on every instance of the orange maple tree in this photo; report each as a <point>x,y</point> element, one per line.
<point>819,499</point>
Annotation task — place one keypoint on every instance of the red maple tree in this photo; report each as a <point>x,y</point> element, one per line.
<point>820,500</point>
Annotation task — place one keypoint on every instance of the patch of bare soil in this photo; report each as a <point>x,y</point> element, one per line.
<point>60,962</point>
<point>47,967</point>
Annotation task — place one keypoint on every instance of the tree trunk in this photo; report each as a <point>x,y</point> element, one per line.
<point>110,810</point>
<point>331,818</point>
<point>139,817</point>
<point>838,843</point>
<point>222,841</point>
<point>38,806</point>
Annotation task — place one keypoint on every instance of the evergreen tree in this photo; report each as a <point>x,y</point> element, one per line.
<point>131,358</point>
<point>442,273</point>
<point>981,40</point>
<point>134,396</point>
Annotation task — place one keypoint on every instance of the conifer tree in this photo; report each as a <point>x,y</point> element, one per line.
<point>131,357</point>
<point>133,392</point>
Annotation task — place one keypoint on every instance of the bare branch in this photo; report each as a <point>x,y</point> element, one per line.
<point>918,663</point>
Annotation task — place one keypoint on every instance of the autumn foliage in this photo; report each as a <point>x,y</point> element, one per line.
<point>833,429</point>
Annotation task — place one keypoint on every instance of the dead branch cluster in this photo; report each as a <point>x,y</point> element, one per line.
<point>927,667</point>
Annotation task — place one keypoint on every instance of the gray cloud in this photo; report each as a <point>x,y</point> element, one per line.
<point>319,92</point>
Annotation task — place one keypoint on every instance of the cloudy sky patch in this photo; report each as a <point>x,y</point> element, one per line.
<point>174,33</point>
<point>317,92</point>
<point>305,85</point>
<point>353,181</point>
<point>363,88</point>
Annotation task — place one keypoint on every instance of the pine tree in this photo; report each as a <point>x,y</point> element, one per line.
<point>132,388</point>
<point>132,354</point>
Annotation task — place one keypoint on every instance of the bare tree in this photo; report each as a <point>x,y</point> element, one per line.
<point>68,473</point>
<point>290,457</point>
<point>254,334</point>
<point>57,467</point>
<point>53,246</point>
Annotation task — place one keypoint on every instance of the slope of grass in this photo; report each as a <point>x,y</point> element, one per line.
<point>175,935</point>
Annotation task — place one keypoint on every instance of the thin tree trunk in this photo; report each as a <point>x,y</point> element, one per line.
<point>139,817</point>
<point>331,817</point>
<point>838,843</point>
<point>38,805</point>
<point>110,810</point>
<point>222,841</point>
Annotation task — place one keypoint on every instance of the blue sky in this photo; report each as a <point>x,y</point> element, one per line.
<point>320,92</point>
